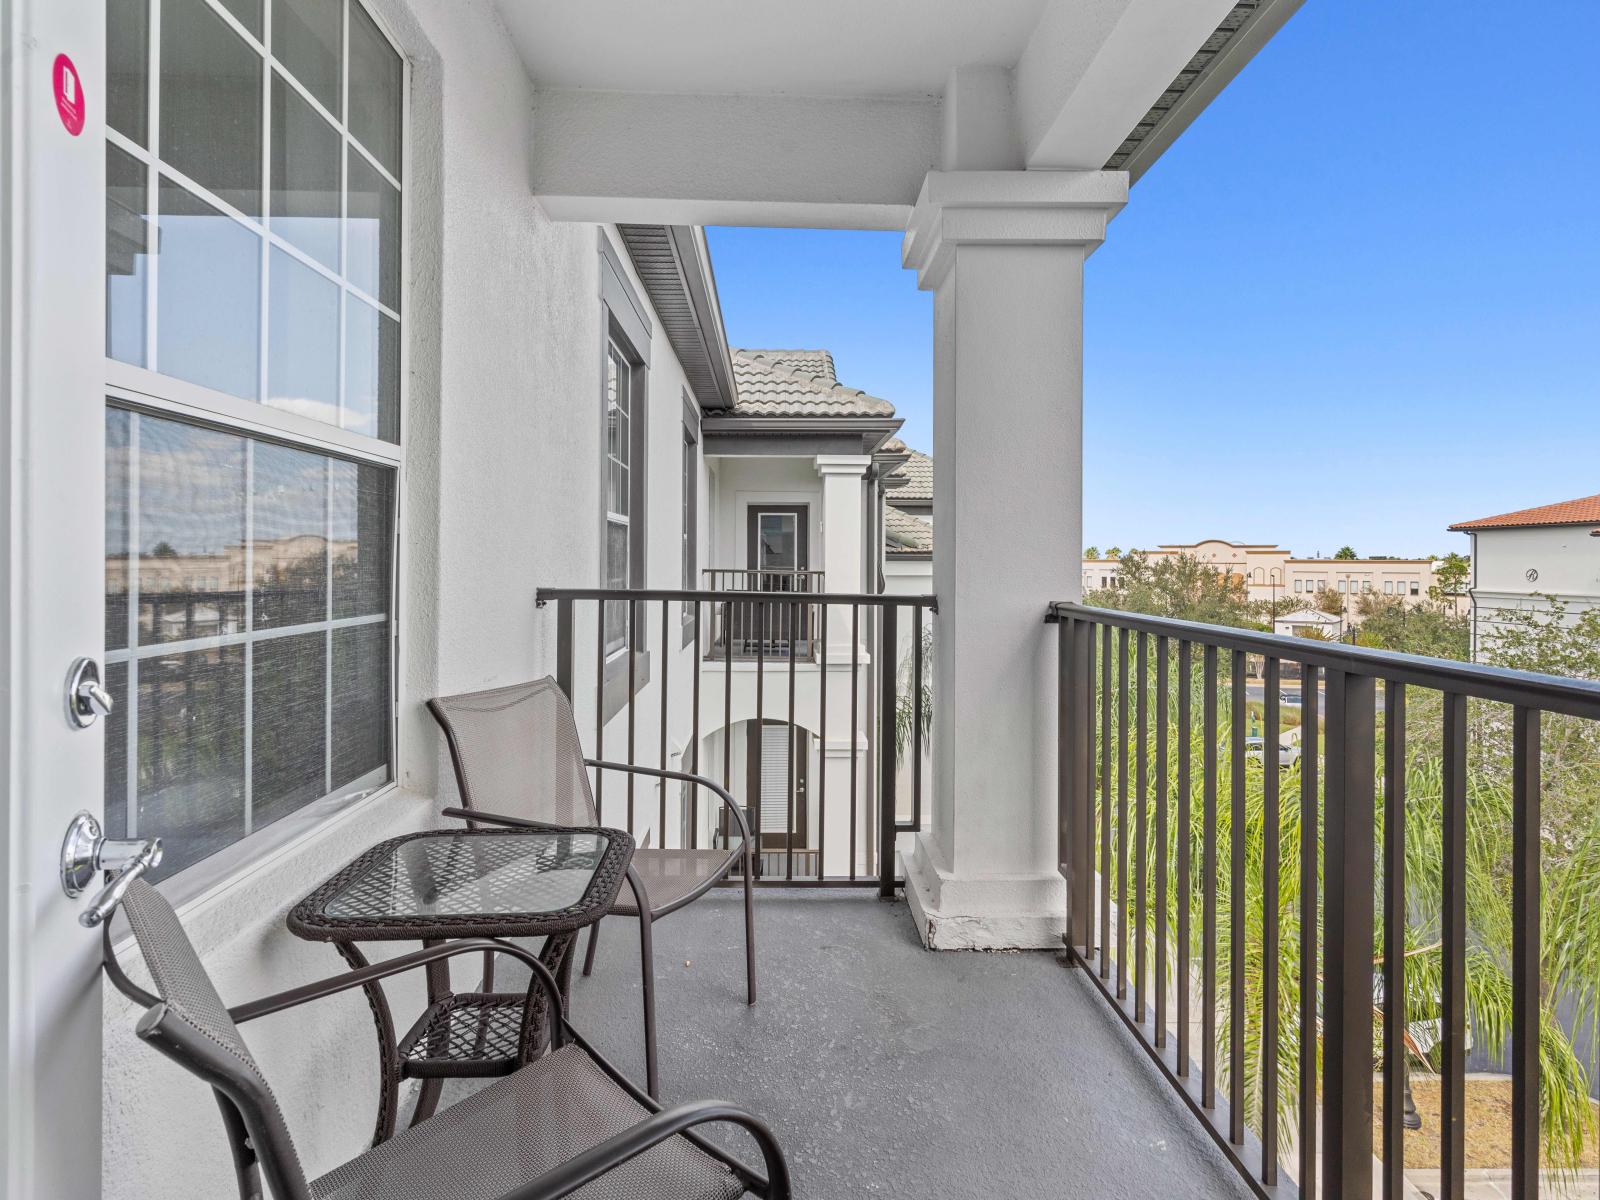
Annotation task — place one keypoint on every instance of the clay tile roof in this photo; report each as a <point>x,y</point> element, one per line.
<point>1583,511</point>
<point>919,470</point>
<point>904,534</point>
<point>797,383</point>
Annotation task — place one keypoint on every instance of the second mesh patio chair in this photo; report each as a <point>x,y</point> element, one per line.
<point>565,1122</point>
<point>517,755</point>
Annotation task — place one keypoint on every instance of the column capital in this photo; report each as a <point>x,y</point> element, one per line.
<point>1007,208</point>
<point>843,464</point>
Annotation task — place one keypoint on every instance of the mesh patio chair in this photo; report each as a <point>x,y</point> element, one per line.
<point>565,1122</point>
<point>517,755</point>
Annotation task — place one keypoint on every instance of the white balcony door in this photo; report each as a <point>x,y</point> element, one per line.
<point>52,428</point>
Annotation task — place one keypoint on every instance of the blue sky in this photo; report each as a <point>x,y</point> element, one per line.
<point>1358,300</point>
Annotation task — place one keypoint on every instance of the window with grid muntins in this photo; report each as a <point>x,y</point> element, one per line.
<point>619,492</point>
<point>254,188</point>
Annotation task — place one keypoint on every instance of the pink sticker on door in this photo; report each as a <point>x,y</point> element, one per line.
<point>69,94</point>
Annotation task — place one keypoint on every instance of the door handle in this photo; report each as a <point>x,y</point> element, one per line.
<point>86,851</point>
<point>87,698</point>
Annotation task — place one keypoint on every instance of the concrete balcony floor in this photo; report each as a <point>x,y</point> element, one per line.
<point>887,1070</point>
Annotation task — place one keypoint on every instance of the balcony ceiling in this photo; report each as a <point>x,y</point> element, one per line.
<point>832,112</point>
<point>772,47</point>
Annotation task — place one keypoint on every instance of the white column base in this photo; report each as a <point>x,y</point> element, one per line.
<point>1000,912</point>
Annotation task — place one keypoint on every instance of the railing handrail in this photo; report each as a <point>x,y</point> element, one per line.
<point>1552,693</point>
<point>762,571</point>
<point>545,595</point>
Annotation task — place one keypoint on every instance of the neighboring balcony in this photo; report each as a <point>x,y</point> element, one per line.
<point>746,628</point>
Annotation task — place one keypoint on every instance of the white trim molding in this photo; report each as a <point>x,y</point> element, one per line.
<point>1008,208</point>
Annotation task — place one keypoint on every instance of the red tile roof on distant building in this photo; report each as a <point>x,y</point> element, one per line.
<point>1583,511</point>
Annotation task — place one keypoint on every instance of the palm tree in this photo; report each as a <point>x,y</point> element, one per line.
<point>1570,921</point>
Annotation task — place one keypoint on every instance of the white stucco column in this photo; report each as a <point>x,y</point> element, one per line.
<point>843,477</point>
<point>1003,253</point>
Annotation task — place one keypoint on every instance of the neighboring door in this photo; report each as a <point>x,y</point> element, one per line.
<point>778,547</point>
<point>768,780</point>
<point>52,498</point>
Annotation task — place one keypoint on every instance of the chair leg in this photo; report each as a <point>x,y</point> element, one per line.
<point>427,1100</point>
<point>749,935</point>
<point>648,965</point>
<point>588,957</point>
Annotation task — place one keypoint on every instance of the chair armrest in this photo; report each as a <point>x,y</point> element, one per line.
<point>685,776</point>
<point>396,966</point>
<point>630,1143</point>
<point>334,984</point>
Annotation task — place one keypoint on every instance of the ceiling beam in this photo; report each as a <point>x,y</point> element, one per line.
<point>781,160</point>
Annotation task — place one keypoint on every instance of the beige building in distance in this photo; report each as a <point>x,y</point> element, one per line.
<point>1272,575</point>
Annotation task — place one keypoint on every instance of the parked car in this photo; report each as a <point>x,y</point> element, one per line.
<point>1288,753</point>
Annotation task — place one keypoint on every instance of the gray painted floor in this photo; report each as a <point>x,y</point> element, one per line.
<point>887,1070</point>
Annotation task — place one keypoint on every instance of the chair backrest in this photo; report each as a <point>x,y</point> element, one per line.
<point>516,752</point>
<point>191,1025</point>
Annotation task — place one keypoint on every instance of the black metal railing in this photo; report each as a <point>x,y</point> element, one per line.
<point>775,630</point>
<point>684,697</point>
<point>1180,891</point>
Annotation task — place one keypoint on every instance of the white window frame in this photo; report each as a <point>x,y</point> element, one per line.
<point>147,391</point>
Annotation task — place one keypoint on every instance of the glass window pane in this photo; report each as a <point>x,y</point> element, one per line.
<point>363,504</point>
<point>248,12</point>
<point>305,38</point>
<point>181,713</point>
<point>208,295</point>
<point>372,371</point>
<point>128,67</point>
<point>304,204</point>
<point>127,246</point>
<point>211,103</point>
<point>375,90</point>
<point>302,340</point>
<point>289,536</point>
<point>116,805</point>
<point>190,787</point>
<point>288,726</point>
<point>373,246</point>
<point>361,705</point>
<point>191,532</point>
<point>117,423</point>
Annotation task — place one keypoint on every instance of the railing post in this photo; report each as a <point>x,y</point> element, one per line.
<point>1076,708</point>
<point>564,649</point>
<point>1348,915</point>
<point>1066,767</point>
<point>888,642</point>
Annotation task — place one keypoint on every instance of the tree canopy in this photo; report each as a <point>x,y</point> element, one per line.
<point>1345,552</point>
<point>1182,587</point>
<point>1431,628</point>
<point>1450,575</point>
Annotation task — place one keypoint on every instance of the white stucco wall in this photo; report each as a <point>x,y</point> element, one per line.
<point>500,496</point>
<point>1565,559</point>
<point>1565,556</point>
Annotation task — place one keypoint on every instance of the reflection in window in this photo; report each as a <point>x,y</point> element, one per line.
<point>302,340</point>
<point>371,371</point>
<point>374,233</point>
<point>619,492</point>
<point>305,175</point>
<point>127,247</point>
<point>208,296</point>
<point>255,683</point>
<point>210,118</point>
<point>376,86</point>
<point>333,217</point>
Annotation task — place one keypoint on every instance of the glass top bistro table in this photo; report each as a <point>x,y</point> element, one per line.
<point>465,883</point>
